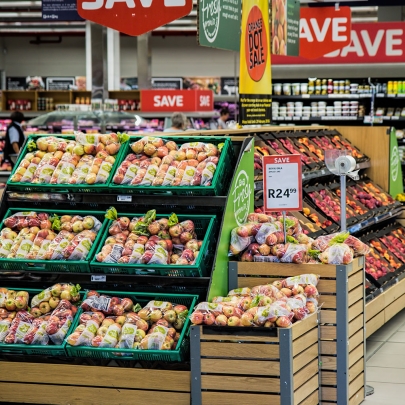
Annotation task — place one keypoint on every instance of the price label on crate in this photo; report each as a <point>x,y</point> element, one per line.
<point>282,183</point>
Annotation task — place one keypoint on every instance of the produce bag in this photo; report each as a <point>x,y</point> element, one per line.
<point>155,340</point>
<point>37,334</point>
<point>127,337</point>
<point>295,253</point>
<point>338,253</point>
<point>269,233</point>
<point>301,280</point>
<point>4,329</point>
<point>65,291</point>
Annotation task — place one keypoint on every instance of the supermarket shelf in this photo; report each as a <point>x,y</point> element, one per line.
<point>225,97</point>
<point>316,119</point>
<point>5,173</point>
<point>323,97</point>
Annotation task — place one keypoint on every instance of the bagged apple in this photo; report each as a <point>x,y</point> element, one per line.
<point>295,253</point>
<point>66,291</point>
<point>338,253</point>
<point>106,304</point>
<point>156,340</point>
<point>7,237</point>
<point>298,307</point>
<point>301,280</point>
<point>19,327</point>
<point>4,328</point>
<point>37,334</point>
<point>127,337</point>
<point>112,335</point>
<point>270,233</point>
<point>60,322</point>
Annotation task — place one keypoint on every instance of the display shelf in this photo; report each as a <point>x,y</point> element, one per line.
<point>317,119</point>
<point>322,97</point>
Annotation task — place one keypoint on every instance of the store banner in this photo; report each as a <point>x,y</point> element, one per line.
<point>370,43</point>
<point>177,100</point>
<point>219,24</point>
<point>396,185</point>
<point>121,15</point>
<point>255,64</point>
<point>239,205</point>
<point>285,26</point>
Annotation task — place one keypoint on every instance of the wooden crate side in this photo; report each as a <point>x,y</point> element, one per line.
<point>305,357</point>
<point>375,323</point>
<point>305,341</point>
<point>328,378</point>
<point>328,363</point>
<point>394,292</point>
<point>313,399</point>
<point>356,324</point>
<point>305,374</point>
<point>327,301</point>
<point>356,309</point>
<point>328,394</point>
<point>207,337</point>
<point>324,286</point>
<point>356,339</point>
<point>355,295</point>
<point>305,390</point>
<point>243,367</point>
<point>327,348</point>
<point>240,383</point>
<point>301,327</point>
<point>232,398</point>
<point>375,306</point>
<point>64,394</point>
<point>328,316</point>
<point>67,374</point>
<point>356,354</point>
<point>356,384</point>
<point>356,369</point>
<point>328,332</point>
<point>358,397</point>
<point>233,350</point>
<point>355,266</point>
<point>355,279</point>
<point>392,309</point>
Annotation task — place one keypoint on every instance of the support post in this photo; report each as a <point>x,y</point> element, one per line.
<point>113,59</point>
<point>144,61</point>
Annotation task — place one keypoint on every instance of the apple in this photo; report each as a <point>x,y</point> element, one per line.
<point>287,292</point>
<point>56,290</point>
<point>233,321</point>
<point>246,319</point>
<point>228,311</point>
<point>107,322</point>
<point>120,320</point>
<point>155,315</point>
<point>20,303</point>
<point>278,284</point>
<point>311,307</point>
<point>78,150</point>
<point>65,295</point>
<point>297,290</point>
<point>102,330</point>
<point>170,316</point>
<point>22,294</point>
<point>89,149</point>
<point>221,320</point>
<point>283,322</point>
<point>311,290</point>
<point>98,316</point>
<point>118,310</point>
<point>178,323</point>
<point>10,304</point>
<point>53,302</point>
<point>77,226</point>
<point>44,307</point>
<point>209,319</point>
<point>127,304</point>
<point>3,313</point>
<point>196,318</point>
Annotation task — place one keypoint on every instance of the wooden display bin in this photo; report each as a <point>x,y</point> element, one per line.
<point>342,331</point>
<point>55,384</point>
<point>269,366</point>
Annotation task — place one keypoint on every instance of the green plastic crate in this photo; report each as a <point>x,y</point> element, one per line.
<point>48,350</point>
<point>60,188</point>
<point>149,355</point>
<point>73,266</point>
<point>205,227</point>
<point>220,181</point>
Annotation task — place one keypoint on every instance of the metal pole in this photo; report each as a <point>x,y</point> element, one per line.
<point>144,61</point>
<point>343,203</point>
<point>235,78</point>
<point>285,232</point>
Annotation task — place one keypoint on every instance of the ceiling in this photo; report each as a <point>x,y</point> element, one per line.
<point>24,18</point>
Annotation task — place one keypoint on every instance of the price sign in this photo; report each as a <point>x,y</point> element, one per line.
<point>282,183</point>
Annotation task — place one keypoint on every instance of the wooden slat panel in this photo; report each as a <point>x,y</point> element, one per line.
<point>328,332</point>
<point>242,384</point>
<point>328,394</point>
<point>356,324</point>
<point>375,323</point>
<point>356,265</point>
<point>328,316</point>
<point>356,354</point>
<point>305,390</point>
<point>250,338</point>
<point>304,326</point>
<point>328,378</point>
<point>254,281</point>
<point>305,374</point>
<point>305,341</point>
<point>356,309</point>
<point>305,357</point>
<point>394,308</point>
<point>62,395</point>
<point>96,376</point>
<point>356,339</point>
<point>327,301</point>
<point>326,286</point>
<point>232,398</point>
<point>327,347</point>
<point>355,370</point>
<point>356,294</point>
<point>356,385</point>
<point>375,306</point>
<point>394,292</point>
<point>233,350</point>
<point>328,363</point>
<point>357,398</point>
<point>313,399</point>
<point>355,279</point>
<point>246,367</point>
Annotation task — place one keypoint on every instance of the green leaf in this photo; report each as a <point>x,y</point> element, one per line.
<point>56,224</point>
<point>123,137</point>
<point>339,238</point>
<point>31,145</point>
<point>290,239</point>
<point>314,253</point>
<point>150,217</point>
<point>112,214</point>
<point>220,147</point>
<point>183,315</point>
<point>137,307</point>
<point>173,220</point>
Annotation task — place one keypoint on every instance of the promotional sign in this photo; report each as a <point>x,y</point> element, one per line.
<point>229,86</point>
<point>60,83</point>
<point>324,30</point>
<point>203,83</point>
<point>60,10</point>
<point>239,205</point>
<point>174,83</point>
<point>177,100</point>
<point>255,65</point>
<point>370,43</point>
<point>396,183</point>
<point>123,16</point>
<point>219,24</point>
<point>285,25</point>
<point>282,183</point>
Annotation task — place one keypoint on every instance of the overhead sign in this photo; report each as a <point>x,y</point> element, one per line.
<point>282,183</point>
<point>133,19</point>
<point>60,83</point>
<point>177,100</point>
<point>324,30</point>
<point>219,24</point>
<point>370,43</point>
<point>255,72</point>
<point>60,10</point>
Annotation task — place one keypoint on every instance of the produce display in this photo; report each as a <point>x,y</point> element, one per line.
<point>370,195</point>
<point>47,321</point>
<point>113,322</point>
<point>148,240</point>
<point>88,159</point>
<point>40,236</point>
<point>262,239</point>
<point>157,162</point>
<point>273,305</point>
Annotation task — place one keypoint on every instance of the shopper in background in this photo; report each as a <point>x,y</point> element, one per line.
<point>14,136</point>
<point>224,116</point>
<point>179,123</point>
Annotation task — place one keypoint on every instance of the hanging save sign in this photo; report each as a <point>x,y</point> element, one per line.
<point>282,183</point>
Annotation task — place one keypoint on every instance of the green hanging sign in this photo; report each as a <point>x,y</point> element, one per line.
<point>239,205</point>
<point>396,185</point>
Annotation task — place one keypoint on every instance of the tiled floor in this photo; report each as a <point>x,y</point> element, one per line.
<point>386,363</point>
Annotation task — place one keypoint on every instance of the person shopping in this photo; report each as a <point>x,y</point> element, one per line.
<point>179,123</point>
<point>14,136</point>
<point>224,116</point>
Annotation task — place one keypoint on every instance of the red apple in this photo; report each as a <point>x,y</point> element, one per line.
<point>209,319</point>
<point>221,320</point>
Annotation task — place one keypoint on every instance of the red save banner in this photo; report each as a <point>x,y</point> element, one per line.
<point>177,100</point>
<point>133,19</point>
<point>370,43</point>
<point>323,30</point>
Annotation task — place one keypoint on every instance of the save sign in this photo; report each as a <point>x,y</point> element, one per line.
<point>324,30</point>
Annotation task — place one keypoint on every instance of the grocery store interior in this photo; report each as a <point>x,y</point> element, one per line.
<point>202,201</point>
